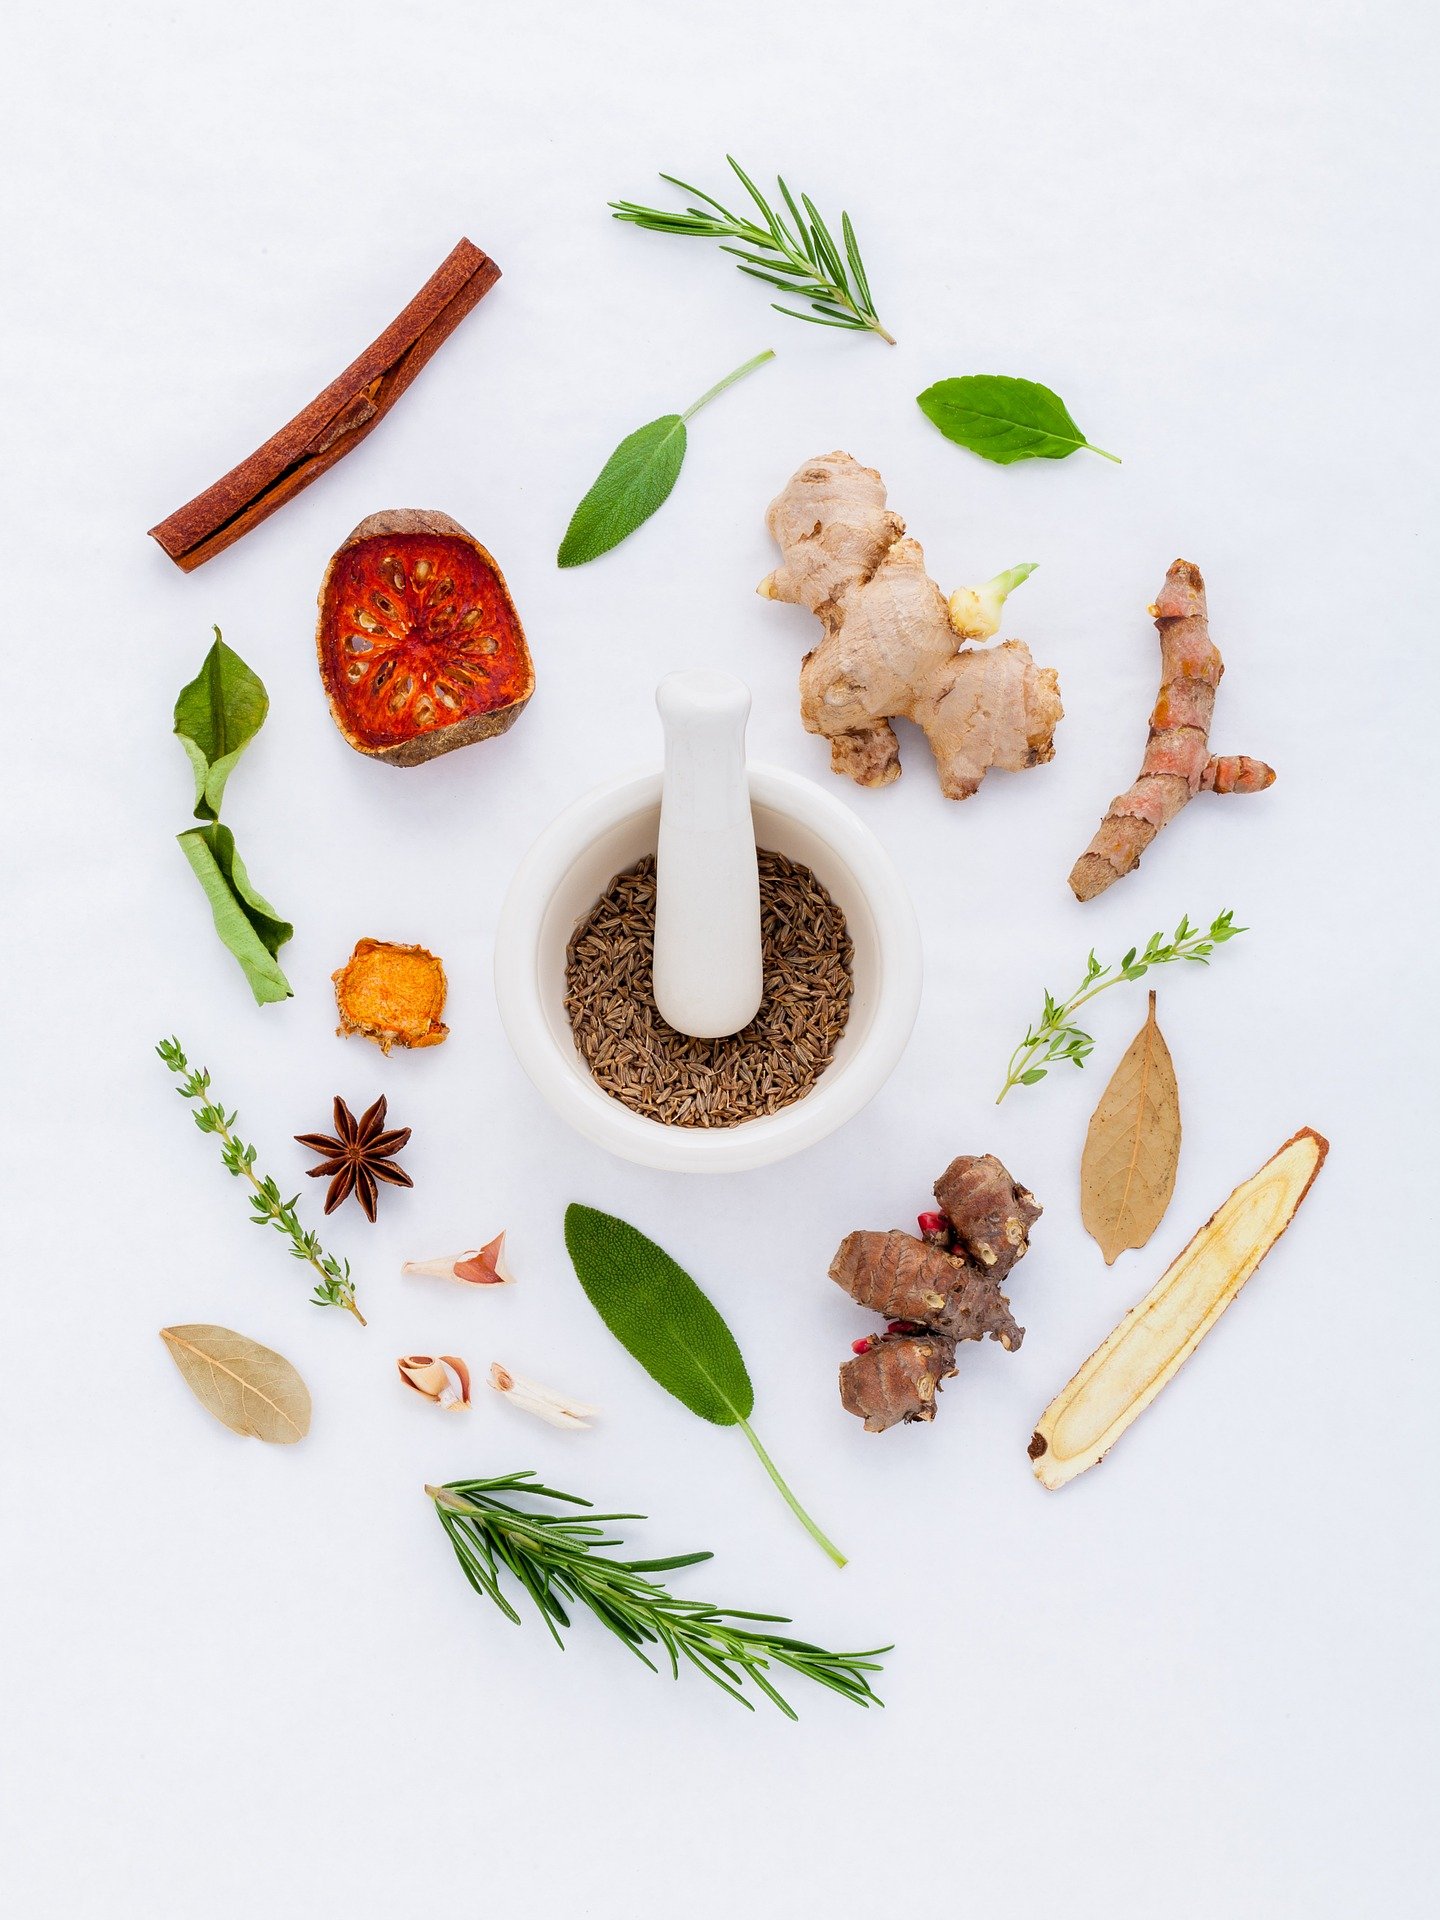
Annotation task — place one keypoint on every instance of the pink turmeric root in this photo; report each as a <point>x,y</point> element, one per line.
<point>1178,762</point>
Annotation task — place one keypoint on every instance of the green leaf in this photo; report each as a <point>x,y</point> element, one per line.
<point>656,1311</point>
<point>1003,419</point>
<point>216,717</point>
<point>634,481</point>
<point>244,919</point>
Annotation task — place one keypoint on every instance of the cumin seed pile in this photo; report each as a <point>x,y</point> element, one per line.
<point>682,1082</point>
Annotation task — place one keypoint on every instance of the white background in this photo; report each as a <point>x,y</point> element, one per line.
<point>243,1681</point>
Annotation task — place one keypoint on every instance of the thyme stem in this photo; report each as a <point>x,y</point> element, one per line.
<point>1057,1038</point>
<point>334,1288</point>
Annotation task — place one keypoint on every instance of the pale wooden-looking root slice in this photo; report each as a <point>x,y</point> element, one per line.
<point>1155,1338</point>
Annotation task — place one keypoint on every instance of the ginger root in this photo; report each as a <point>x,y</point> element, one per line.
<point>892,647</point>
<point>1178,762</point>
<point>936,1290</point>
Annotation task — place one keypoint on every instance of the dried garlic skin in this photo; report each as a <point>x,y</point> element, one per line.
<point>393,995</point>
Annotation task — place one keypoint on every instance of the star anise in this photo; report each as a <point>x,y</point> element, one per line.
<point>360,1154</point>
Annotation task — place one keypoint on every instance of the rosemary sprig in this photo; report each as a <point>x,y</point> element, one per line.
<point>1057,1038</point>
<point>801,257</point>
<point>556,1557</point>
<point>333,1288</point>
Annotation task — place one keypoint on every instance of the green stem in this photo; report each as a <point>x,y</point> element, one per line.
<point>794,1505</point>
<point>728,381</point>
<point>1104,455</point>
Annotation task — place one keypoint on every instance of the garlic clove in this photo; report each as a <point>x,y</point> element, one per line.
<point>556,1408</point>
<point>480,1266</point>
<point>445,1380</point>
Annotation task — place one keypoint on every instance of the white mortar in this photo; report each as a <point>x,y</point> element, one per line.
<point>570,866</point>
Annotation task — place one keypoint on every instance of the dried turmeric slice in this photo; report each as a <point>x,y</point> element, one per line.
<point>391,994</point>
<point>1155,1338</point>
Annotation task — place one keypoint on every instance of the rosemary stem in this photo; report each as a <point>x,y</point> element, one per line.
<point>794,1505</point>
<point>728,381</point>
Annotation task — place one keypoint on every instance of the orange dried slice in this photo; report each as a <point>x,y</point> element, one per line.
<point>420,646</point>
<point>391,994</point>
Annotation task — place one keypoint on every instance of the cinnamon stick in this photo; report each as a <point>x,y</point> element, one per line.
<point>335,421</point>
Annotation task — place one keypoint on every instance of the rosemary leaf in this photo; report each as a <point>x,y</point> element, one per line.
<point>552,1554</point>
<point>805,253</point>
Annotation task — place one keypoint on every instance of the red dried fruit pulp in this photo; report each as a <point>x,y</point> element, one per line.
<point>420,647</point>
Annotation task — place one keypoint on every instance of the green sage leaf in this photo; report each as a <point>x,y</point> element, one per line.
<point>216,717</point>
<point>244,919</point>
<point>659,1315</point>
<point>1003,419</point>
<point>636,480</point>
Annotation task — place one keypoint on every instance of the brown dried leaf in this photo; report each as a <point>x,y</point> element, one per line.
<point>251,1388</point>
<point>1127,1171</point>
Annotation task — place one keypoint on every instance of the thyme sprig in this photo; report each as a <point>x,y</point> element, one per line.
<point>1057,1038</point>
<point>334,1288</point>
<point>556,1557</point>
<point>801,259</point>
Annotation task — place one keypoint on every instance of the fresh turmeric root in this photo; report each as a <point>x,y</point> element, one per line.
<point>1178,762</point>
<point>935,1290</point>
<point>893,647</point>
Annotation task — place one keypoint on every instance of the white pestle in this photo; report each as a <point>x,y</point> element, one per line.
<point>707,976</point>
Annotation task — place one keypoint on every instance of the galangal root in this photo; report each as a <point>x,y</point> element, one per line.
<point>1178,762</point>
<point>935,1290</point>
<point>1158,1336</point>
<point>893,648</point>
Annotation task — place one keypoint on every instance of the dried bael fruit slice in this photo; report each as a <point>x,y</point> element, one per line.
<point>420,646</point>
<point>393,995</point>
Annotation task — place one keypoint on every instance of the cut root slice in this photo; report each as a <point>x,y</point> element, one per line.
<point>1155,1338</point>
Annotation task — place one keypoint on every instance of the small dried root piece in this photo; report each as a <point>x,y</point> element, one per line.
<point>901,1277</point>
<point>1155,1338</point>
<point>895,1378</point>
<point>556,1408</point>
<point>935,1290</point>
<point>445,1380</point>
<point>480,1267</point>
<point>990,1214</point>
<point>890,645</point>
<point>1178,762</point>
<point>392,995</point>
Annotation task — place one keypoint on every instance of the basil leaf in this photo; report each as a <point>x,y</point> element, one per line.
<point>244,919</point>
<point>634,481</point>
<point>1003,419</point>
<point>216,717</point>
<point>659,1315</point>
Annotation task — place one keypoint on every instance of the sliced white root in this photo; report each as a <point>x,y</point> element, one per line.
<point>1157,1337</point>
<point>557,1408</point>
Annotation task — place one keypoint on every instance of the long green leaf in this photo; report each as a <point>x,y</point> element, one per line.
<point>217,715</point>
<point>1004,419</point>
<point>659,1315</point>
<point>244,919</point>
<point>634,481</point>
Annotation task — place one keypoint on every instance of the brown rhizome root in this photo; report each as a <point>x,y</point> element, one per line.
<point>936,1289</point>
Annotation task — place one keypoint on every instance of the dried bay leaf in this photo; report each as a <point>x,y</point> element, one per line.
<point>250,1388</point>
<point>1127,1171</point>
